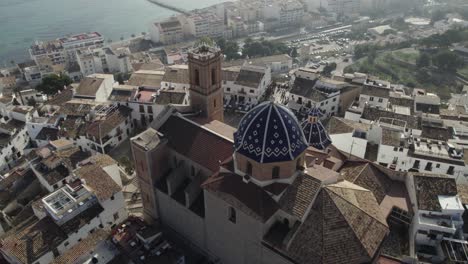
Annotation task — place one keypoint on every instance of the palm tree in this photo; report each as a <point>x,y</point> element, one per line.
<point>17,92</point>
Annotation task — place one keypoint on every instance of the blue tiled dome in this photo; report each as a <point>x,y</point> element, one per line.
<point>269,133</point>
<point>314,130</point>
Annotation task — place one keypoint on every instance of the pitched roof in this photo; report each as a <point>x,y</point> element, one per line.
<point>338,125</point>
<point>176,75</point>
<point>83,247</point>
<point>247,197</point>
<point>391,137</point>
<point>429,187</point>
<point>199,144</point>
<point>305,88</point>
<point>88,86</point>
<point>146,78</point>
<point>249,78</point>
<point>376,91</point>
<point>48,133</point>
<point>367,175</point>
<point>32,242</point>
<point>373,113</point>
<point>344,218</point>
<point>299,195</point>
<point>170,97</point>
<point>100,128</point>
<point>102,185</point>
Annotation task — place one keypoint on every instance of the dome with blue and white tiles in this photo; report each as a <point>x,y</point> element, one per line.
<point>314,130</point>
<point>270,133</point>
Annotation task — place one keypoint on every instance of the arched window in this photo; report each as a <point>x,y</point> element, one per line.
<point>213,76</point>
<point>232,215</point>
<point>275,172</point>
<point>249,168</point>
<point>197,77</point>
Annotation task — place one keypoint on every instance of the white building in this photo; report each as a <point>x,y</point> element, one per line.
<point>89,201</point>
<point>248,85</point>
<point>349,8</point>
<point>63,50</point>
<point>308,90</point>
<point>166,32</point>
<point>96,86</point>
<point>104,60</point>
<point>203,24</point>
<point>437,222</point>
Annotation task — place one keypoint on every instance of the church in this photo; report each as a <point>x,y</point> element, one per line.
<point>269,191</point>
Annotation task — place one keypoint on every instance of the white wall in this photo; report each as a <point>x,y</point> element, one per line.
<point>344,142</point>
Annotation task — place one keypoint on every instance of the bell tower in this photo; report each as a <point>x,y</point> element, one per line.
<point>206,92</point>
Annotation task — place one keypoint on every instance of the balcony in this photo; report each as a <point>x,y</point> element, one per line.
<point>440,223</point>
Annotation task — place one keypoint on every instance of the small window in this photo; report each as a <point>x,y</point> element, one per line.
<point>214,103</point>
<point>438,165</point>
<point>112,197</point>
<point>150,109</point>
<point>275,172</point>
<point>395,149</point>
<point>213,76</point>
<point>232,215</point>
<point>116,216</point>
<point>371,98</point>
<point>334,99</point>
<point>228,89</point>
<point>451,170</point>
<point>197,77</point>
<point>252,91</point>
<point>249,168</point>
<point>380,100</point>
<point>66,244</point>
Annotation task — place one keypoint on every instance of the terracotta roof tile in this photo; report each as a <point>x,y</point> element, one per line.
<point>196,143</point>
<point>300,195</point>
<point>31,243</point>
<point>247,197</point>
<point>83,248</point>
<point>343,226</point>
<point>102,185</point>
<point>429,187</point>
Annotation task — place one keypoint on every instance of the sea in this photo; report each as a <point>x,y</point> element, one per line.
<point>24,21</point>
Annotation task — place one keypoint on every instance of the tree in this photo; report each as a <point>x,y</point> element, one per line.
<point>53,83</point>
<point>221,42</point>
<point>437,16</point>
<point>294,53</point>
<point>327,70</point>
<point>120,78</point>
<point>447,61</point>
<point>205,40</point>
<point>231,50</point>
<point>17,92</point>
<point>372,55</point>
<point>32,101</point>
<point>424,60</point>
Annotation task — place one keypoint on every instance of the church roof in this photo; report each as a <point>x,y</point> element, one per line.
<point>344,217</point>
<point>270,133</point>
<point>315,132</point>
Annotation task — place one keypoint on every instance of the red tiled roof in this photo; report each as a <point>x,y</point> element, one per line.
<point>196,143</point>
<point>247,197</point>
